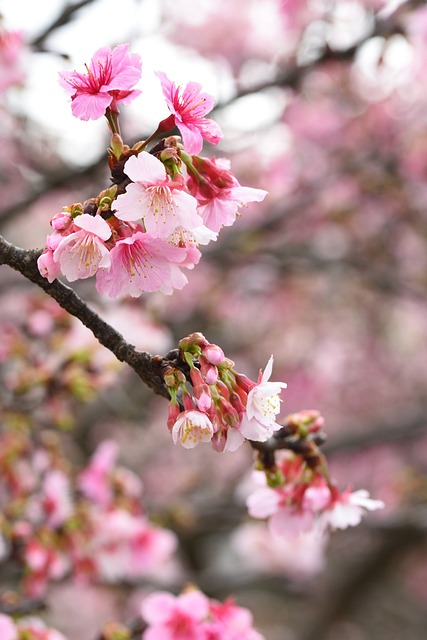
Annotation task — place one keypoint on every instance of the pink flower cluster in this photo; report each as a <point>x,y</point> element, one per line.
<point>306,501</point>
<point>225,407</point>
<point>193,616</point>
<point>94,530</point>
<point>30,628</point>
<point>167,203</point>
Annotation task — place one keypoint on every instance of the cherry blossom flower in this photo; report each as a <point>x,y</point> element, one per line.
<point>300,556</point>
<point>192,427</point>
<point>174,617</point>
<point>189,107</point>
<point>347,509</point>
<point>56,501</point>
<point>110,79</point>
<point>263,404</point>
<point>164,205</point>
<point>124,546</point>
<point>218,192</point>
<point>93,481</point>
<point>230,622</point>
<point>141,263</point>
<point>81,253</point>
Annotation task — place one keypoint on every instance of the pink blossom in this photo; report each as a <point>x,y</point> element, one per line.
<point>125,546</point>
<point>347,509</point>
<point>94,480</point>
<point>174,617</point>
<point>47,266</point>
<point>163,205</point>
<point>189,107</point>
<point>230,622</point>
<point>192,427</point>
<point>300,556</point>
<point>284,519</point>
<point>57,504</point>
<point>8,629</point>
<point>263,404</point>
<point>81,253</point>
<point>110,78</point>
<point>218,192</point>
<point>234,440</point>
<point>11,47</point>
<point>141,263</point>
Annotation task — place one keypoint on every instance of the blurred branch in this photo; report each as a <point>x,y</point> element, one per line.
<point>64,18</point>
<point>294,75</point>
<point>398,536</point>
<point>384,433</point>
<point>12,605</point>
<point>53,181</point>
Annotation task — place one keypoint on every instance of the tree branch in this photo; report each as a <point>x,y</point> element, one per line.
<point>64,18</point>
<point>149,368</point>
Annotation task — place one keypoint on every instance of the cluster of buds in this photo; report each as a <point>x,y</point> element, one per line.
<point>138,235</point>
<point>224,407</point>
<point>93,527</point>
<point>296,493</point>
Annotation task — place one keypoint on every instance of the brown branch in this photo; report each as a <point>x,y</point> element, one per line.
<point>12,605</point>
<point>149,368</point>
<point>64,18</point>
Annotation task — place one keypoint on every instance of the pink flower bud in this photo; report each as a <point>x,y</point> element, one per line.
<point>213,354</point>
<point>173,413</point>
<point>228,413</point>
<point>209,371</point>
<point>244,382</point>
<point>61,221</point>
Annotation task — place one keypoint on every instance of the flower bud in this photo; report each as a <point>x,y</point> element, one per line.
<point>213,354</point>
<point>61,221</point>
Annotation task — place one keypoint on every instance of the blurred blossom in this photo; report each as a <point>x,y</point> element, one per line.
<point>299,558</point>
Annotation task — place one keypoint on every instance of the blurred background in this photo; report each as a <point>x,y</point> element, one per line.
<point>324,104</point>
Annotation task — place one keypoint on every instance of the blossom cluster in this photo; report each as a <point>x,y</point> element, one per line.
<point>225,407</point>
<point>193,616</point>
<point>299,500</point>
<point>93,528</point>
<point>167,201</point>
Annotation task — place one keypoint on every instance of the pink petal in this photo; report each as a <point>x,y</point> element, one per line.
<point>94,224</point>
<point>195,604</point>
<point>263,502</point>
<point>145,169</point>
<point>88,106</point>
<point>158,607</point>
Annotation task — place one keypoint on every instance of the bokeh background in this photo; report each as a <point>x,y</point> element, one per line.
<point>323,104</point>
